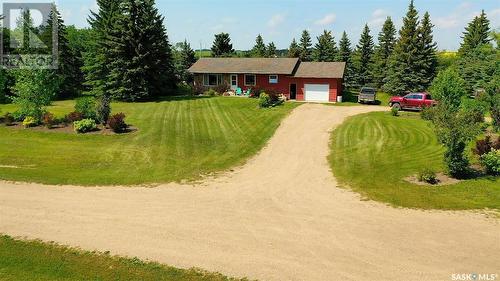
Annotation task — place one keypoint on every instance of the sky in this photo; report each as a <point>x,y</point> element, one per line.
<point>282,20</point>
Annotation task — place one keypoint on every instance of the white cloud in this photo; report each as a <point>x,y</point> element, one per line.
<point>378,18</point>
<point>379,13</point>
<point>326,20</point>
<point>276,20</point>
<point>458,17</point>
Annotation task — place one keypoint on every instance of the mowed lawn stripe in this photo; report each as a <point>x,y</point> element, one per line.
<point>176,140</point>
<point>409,145</point>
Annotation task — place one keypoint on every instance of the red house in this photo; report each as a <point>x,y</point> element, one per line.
<point>302,81</point>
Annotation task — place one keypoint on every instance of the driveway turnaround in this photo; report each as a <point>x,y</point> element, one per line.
<point>279,217</point>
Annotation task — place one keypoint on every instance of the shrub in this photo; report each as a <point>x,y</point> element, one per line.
<point>491,162</point>
<point>486,145</point>
<point>48,120</point>
<point>428,176</point>
<point>87,107</point>
<point>73,116</point>
<point>222,88</point>
<point>428,113</point>
<point>30,122</point>
<point>103,109</point>
<point>211,93</point>
<point>199,89</point>
<point>264,100</point>
<point>8,119</point>
<point>84,126</point>
<point>394,111</point>
<point>117,123</point>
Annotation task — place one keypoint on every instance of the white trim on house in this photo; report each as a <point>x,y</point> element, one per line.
<point>254,79</point>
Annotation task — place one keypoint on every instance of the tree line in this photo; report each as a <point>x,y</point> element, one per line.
<point>126,55</point>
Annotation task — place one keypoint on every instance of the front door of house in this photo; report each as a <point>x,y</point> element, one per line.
<point>293,91</point>
<point>234,82</point>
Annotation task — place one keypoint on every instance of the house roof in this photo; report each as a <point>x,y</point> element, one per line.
<point>321,70</point>
<point>245,65</point>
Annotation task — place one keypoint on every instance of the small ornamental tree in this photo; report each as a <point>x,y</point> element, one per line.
<point>454,127</point>
<point>34,89</point>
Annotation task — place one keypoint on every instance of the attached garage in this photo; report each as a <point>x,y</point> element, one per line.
<point>317,92</point>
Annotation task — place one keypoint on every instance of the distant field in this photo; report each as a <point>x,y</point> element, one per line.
<point>33,260</point>
<point>179,139</point>
<point>373,154</point>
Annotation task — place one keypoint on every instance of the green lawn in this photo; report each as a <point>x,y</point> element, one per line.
<point>34,260</point>
<point>373,153</point>
<point>177,140</point>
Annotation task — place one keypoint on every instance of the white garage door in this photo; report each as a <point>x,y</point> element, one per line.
<point>317,92</point>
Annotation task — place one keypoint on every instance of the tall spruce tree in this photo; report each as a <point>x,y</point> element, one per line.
<point>259,50</point>
<point>476,34</point>
<point>387,40</point>
<point>69,60</point>
<point>97,59</point>
<point>364,58</point>
<point>222,46</point>
<point>345,55</point>
<point>404,67</point>
<point>305,46</point>
<point>271,50</point>
<point>142,66</point>
<point>326,48</point>
<point>187,58</point>
<point>428,57</point>
<point>294,49</point>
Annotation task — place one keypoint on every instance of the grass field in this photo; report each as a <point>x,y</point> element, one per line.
<point>34,260</point>
<point>176,140</point>
<point>373,153</point>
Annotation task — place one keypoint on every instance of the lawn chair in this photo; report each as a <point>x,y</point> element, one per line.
<point>248,92</point>
<point>239,92</point>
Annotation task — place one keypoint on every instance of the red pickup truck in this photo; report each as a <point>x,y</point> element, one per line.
<point>413,101</point>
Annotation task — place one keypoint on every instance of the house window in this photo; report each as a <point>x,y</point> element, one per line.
<point>249,80</point>
<point>212,79</point>
<point>273,79</point>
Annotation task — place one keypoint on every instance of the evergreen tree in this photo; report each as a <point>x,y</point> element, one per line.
<point>476,34</point>
<point>387,40</point>
<point>259,50</point>
<point>326,48</point>
<point>222,46</point>
<point>187,58</point>
<point>69,60</point>
<point>142,66</point>
<point>97,59</point>
<point>305,46</point>
<point>294,49</point>
<point>404,68</point>
<point>345,55</point>
<point>364,58</point>
<point>428,58</point>
<point>271,50</point>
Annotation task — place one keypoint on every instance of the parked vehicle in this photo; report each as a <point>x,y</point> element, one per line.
<point>412,101</point>
<point>367,95</point>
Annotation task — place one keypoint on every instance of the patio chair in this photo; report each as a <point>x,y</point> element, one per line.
<point>248,92</point>
<point>239,92</point>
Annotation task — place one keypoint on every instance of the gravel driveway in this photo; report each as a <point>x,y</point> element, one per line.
<point>279,217</point>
